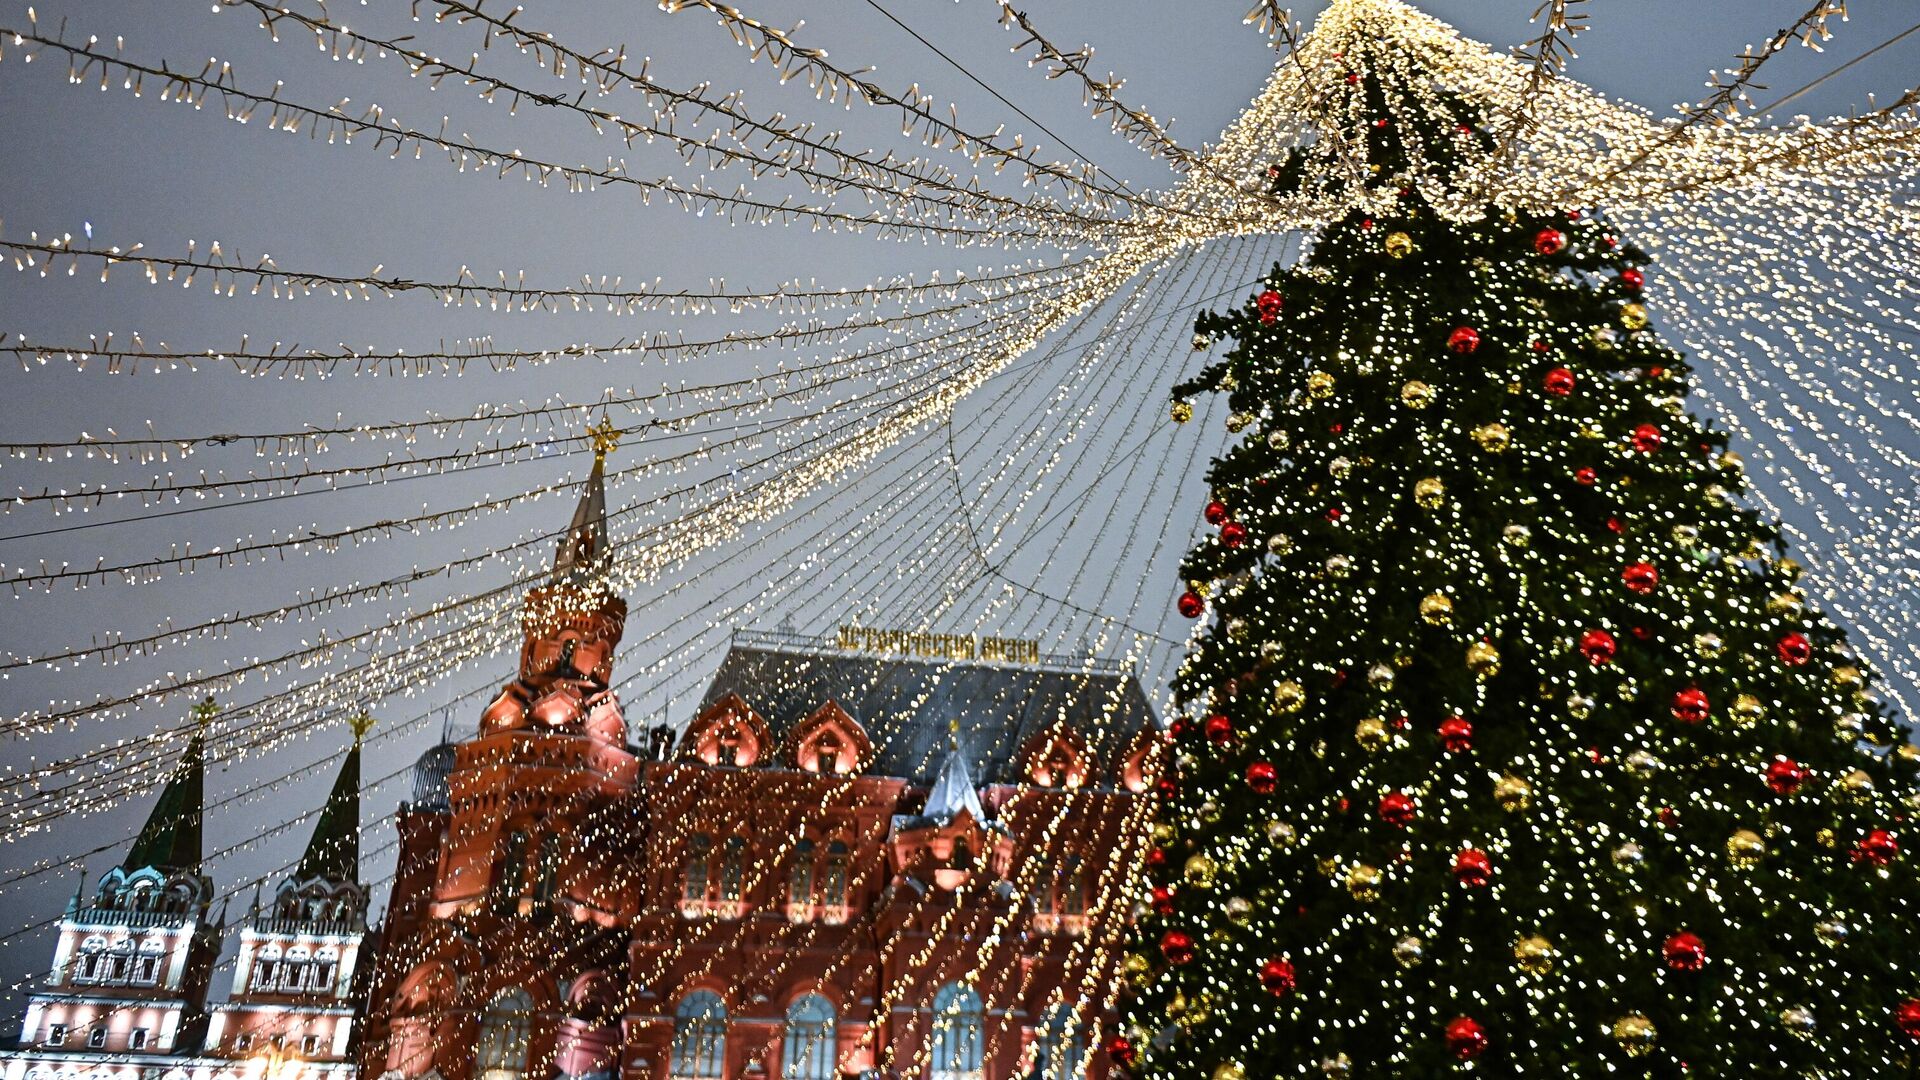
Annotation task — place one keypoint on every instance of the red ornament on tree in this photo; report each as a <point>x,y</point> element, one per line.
<point>1262,777</point>
<point>1269,304</point>
<point>1463,340</point>
<point>1233,534</point>
<point>1219,730</point>
<point>1466,1038</point>
<point>1794,649</point>
<point>1456,734</point>
<point>1685,951</point>
<point>1632,279</point>
<point>1558,382</point>
<point>1162,900</point>
<point>1216,512</point>
<point>1472,868</point>
<point>1690,705</point>
<point>1191,605</point>
<point>1277,976</point>
<point>1177,946</point>
<point>1397,809</point>
<point>1549,241</point>
<point>1785,775</point>
<point>1598,647</point>
<point>1906,1017</point>
<point>1120,1049</point>
<point>1585,476</point>
<point>1156,856</point>
<point>1647,438</point>
<point>1640,577</point>
<point>1878,847</point>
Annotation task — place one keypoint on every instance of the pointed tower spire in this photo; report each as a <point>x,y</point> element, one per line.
<point>585,552</point>
<point>953,790</point>
<point>333,854</point>
<point>170,840</point>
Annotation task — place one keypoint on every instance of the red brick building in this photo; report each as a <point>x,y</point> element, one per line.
<point>845,864</point>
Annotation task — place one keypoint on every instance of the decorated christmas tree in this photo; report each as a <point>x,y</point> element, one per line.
<point>1511,744</point>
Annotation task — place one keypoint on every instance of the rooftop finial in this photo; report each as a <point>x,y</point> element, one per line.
<point>361,723</point>
<point>606,437</point>
<point>204,712</point>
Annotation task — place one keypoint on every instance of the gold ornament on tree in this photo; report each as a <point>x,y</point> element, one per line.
<point>1409,951</point>
<point>1372,734</point>
<point>1363,882</point>
<point>1289,696</point>
<point>1635,1034</point>
<point>1492,438</point>
<point>1415,394</point>
<point>1745,849</point>
<point>1230,1070</point>
<point>1483,659</point>
<point>1747,710</point>
<point>1320,384</point>
<point>1533,954</point>
<point>1200,870</point>
<point>1513,793</point>
<point>1436,609</point>
<point>1399,245</point>
<point>1182,412</point>
<point>1633,316</point>
<point>1429,492</point>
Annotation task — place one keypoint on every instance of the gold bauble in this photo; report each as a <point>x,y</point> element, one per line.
<point>1628,856</point>
<point>1137,964</point>
<point>1709,645</point>
<point>1320,384</point>
<point>1579,706</point>
<point>1789,567</point>
<point>1908,752</point>
<point>1239,910</point>
<point>1533,954</point>
<point>1228,384</point>
<point>1162,833</point>
<point>1830,931</point>
<point>1633,316</point>
<point>1399,245</point>
<point>1237,421</point>
<point>1182,412</point>
<point>1856,786</point>
<point>1372,734</point>
<point>1437,609</point>
<point>1513,793</point>
<point>1492,438</point>
<point>1198,1009</point>
<point>1826,838</point>
<point>1415,394</point>
<point>1730,460</point>
<point>1747,710</point>
<point>1289,696</point>
<point>1337,1067</point>
<point>1745,849</point>
<point>1363,882</point>
<point>1201,343</point>
<point>1200,870</point>
<point>1177,1007</point>
<point>1517,536</point>
<point>1848,677</point>
<point>1281,834</point>
<point>1230,1070</point>
<point>1429,492</point>
<point>1409,951</point>
<point>1798,1020</point>
<point>1635,1034</point>
<point>1483,659</point>
<point>1279,544</point>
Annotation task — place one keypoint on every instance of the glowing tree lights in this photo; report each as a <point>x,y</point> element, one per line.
<point>1524,753</point>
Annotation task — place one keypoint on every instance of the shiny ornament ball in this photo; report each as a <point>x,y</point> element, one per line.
<point>1483,659</point>
<point>1397,808</point>
<point>1746,709</point>
<point>1635,1035</point>
<point>1516,536</point>
<point>1533,954</point>
<point>1456,734</point>
<point>1745,849</point>
<point>1409,951</point>
<point>1472,868</point>
<point>1281,834</point>
<point>1363,882</point>
<point>1684,951</point>
<point>1200,870</point>
<point>1181,412</point>
<point>1603,339</point>
<point>1338,566</point>
<point>1579,706</point>
<point>1429,492</point>
<point>1549,241</point>
<point>1492,438</point>
<point>1218,730</point>
<point>1690,706</point>
<point>1120,1049</point>
<point>1279,544</point>
<point>1372,734</point>
<point>1237,421</point>
<point>1634,316</point>
<point>1320,384</point>
<point>1640,577</point>
<point>1239,910</point>
<point>1262,777</point>
<point>1642,764</point>
<point>1794,649</point>
<point>1598,647</point>
<point>1463,340</point>
<point>1632,279</point>
<point>1830,932</point>
<point>1785,775</point>
<point>1879,847</point>
<point>1415,394</point>
<point>1848,677</point>
<point>1856,786</point>
<point>1230,1070</point>
<point>1436,609</point>
<point>1647,438</point>
<point>1177,947</point>
<point>1785,603</point>
<point>1466,1039</point>
<point>1268,304</point>
<point>1289,696</point>
<point>1399,245</point>
<point>1906,1017</point>
<point>1513,793</point>
<point>1233,534</point>
<point>1559,382</point>
<point>1191,605</point>
<point>1380,677</point>
<point>1337,1067</point>
<point>1798,1021</point>
<point>1628,856</point>
<point>1201,343</point>
<point>1277,976</point>
<point>1586,476</point>
<point>1215,512</point>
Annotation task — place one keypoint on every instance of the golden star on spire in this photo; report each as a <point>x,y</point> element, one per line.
<point>361,723</point>
<point>606,437</point>
<point>204,712</point>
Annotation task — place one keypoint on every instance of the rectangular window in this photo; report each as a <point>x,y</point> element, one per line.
<point>310,1045</point>
<point>243,1041</point>
<point>137,1039</point>
<point>57,1035</point>
<point>97,1038</point>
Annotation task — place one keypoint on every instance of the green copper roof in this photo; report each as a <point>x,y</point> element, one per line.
<point>170,840</point>
<point>334,852</point>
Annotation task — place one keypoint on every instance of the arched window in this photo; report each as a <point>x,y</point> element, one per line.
<point>1073,887</point>
<point>812,1040</point>
<point>266,966</point>
<point>733,872</point>
<point>700,1037</point>
<point>119,963</point>
<point>504,1026</point>
<point>296,969</point>
<point>693,886</point>
<point>800,882</point>
<point>832,895</point>
<point>90,966</point>
<point>513,871</point>
<point>326,966</point>
<point>1062,1046</point>
<point>958,1023</point>
<point>547,868</point>
<point>146,969</point>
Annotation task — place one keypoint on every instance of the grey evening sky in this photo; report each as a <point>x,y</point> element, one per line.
<point>1104,534</point>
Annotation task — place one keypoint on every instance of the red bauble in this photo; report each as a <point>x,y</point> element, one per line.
<point>1120,1049</point>
<point>1277,976</point>
<point>1463,340</point>
<point>1180,728</point>
<point>1598,647</point>
<point>1162,900</point>
<point>1269,304</point>
<point>1219,730</point>
<point>1640,577</point>
<point>1262,777</point>
<point>1794,649</point>
<point>1878,847</point>
<point>1549,241</point>
<point>1177,946</point>
<point>1632,279</point>
<point>1472,868</point>
<point>1191,605</point>
<point>1690,705</point>
<point>1785,775</point>
<point>1585,476</point>
<point>1456,734</point>
<point>1233,534</point>
<point>1684,951</point>
<point>1647,438</point>
<point>1906,1017</point>
<point>1466,1038</point>
<point>1216,512</point>
<point>1156,856</point>
<point>1559,382</point>
<point>1397,808</point>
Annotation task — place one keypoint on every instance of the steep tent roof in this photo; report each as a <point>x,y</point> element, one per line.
<point>333,854</point>
<point>953,791</point>
<point>584,552</point>
<point>170,840</point>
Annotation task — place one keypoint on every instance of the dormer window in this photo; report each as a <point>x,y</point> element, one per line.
<point>1057,759</point>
